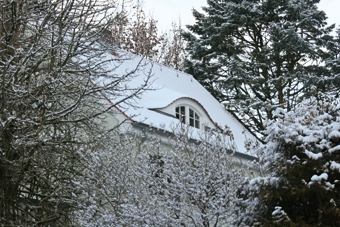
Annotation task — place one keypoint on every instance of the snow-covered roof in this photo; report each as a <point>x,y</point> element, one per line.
<point>168,85</point>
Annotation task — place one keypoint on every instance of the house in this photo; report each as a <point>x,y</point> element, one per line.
<point>171,98</point>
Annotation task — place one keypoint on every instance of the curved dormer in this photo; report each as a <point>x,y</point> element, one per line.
<point>190,112</point>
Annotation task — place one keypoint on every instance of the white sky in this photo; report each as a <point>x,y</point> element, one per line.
<point>167,11</point>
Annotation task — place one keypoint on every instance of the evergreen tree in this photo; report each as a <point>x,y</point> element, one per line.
<point>255,56</point>
<point>333,61</point>
<point>301,162</point>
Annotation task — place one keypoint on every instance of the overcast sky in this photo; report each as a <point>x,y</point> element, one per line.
<point>167,11</point>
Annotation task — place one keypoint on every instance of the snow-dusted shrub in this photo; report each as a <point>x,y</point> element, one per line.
<point>133,180</point>
<point>189,184</point>
<point>301,161</point>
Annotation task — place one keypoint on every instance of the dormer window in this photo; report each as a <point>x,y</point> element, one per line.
<point>183,111</point>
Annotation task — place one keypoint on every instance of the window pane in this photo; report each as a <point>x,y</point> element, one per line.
<point>183,110</point>
<point>191,122</point>
<point>180,113</point>
<point>194,119</point>
<point>177,113</point>
<point>191,113</point>
<point>197,124</point>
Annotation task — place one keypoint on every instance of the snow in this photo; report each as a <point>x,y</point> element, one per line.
<point>333,149</point>
<point>264,181</point>
<point>323,176</point>
<point>167,86</point>
<point>334,134</point>
<point>279,211</point>
<point>335,166</point>
<point>313,155</point>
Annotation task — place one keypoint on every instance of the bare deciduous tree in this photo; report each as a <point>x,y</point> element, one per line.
<point>135,32</point>
<point>51,59</point>
<point>172,48</point>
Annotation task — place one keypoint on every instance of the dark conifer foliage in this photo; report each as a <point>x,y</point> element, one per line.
<point>255,56</point>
